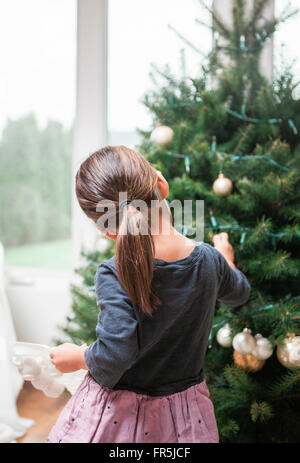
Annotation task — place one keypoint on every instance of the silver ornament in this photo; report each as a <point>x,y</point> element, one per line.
<point>222,186</point>
<point>288,354</point>
<point>244,342</point>
<point>263,348</point>
<point>162,135</point>
<point>224,336</point>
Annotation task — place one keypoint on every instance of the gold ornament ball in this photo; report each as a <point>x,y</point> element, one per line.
<point>289,353</point>
<point>248,362</point>
<point>162,135</point>
<point>222,186</point>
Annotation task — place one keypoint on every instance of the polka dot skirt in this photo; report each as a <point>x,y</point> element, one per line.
<point>98,414</point>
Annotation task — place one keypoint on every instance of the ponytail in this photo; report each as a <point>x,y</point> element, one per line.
<point>101,177</point>
<point>134,259</point>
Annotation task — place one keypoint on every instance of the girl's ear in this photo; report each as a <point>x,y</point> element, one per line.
<point>163,185</point>
<point>111,236</point>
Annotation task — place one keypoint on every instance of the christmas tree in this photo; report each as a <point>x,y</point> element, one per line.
<point>231,125</point>
<point>229,137</point>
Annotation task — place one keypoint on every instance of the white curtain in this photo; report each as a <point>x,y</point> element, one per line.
<point>12,425</point>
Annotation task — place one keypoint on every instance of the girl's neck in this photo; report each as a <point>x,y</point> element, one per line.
<point>172,245</point>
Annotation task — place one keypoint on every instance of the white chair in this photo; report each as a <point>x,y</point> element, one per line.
<point>12,425</point>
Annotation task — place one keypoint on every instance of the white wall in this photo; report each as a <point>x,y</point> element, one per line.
<point>38,308</point>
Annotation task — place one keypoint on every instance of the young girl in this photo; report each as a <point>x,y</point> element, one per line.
<point>157,295</point>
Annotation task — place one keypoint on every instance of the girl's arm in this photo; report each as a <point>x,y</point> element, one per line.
<point>234,288</point>
<point>222,244</point>
<point>116,346</point>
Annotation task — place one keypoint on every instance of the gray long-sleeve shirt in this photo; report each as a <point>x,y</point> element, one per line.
<point>165,353</point>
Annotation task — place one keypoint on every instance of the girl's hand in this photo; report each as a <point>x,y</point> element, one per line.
<point>68,357</point>
<point>222,244</point>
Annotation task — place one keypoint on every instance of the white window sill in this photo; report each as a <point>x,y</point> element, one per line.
<point>27,276</point>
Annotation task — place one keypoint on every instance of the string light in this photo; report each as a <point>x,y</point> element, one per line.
<point>234,157</point>
<point>180,105</point>
<point>186,158</point>
<point>277,120</point>
<point>214,226</point>
<point>242,48</point>
<point>242,116</point>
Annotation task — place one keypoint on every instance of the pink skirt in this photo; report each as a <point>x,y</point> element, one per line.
<point>98,414</point>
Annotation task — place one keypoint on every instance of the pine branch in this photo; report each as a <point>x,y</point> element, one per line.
<point>165,75</point>
<point>259,6</point>
<point>202,23</point>
<point>257,235</point>
<point>245,133</point>
<point>291,232</point>
<point>190,44</point>
<point>287,13</point>
<point>81,294</point>
<point>228,428</point>
<point>220,25</point>
<point>285,384</point>
<point>229,405</point>
<point>261,411</point>
<point>238,12</point>
<point>152,77</point>
<point>238,378</point>
<point>280,265</point>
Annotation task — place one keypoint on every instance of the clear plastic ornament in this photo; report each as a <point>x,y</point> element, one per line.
<point>34,364</point>
<point>54,389</point>
<point>29,369</point>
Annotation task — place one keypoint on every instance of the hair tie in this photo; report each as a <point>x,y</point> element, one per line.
<point>124,203</point>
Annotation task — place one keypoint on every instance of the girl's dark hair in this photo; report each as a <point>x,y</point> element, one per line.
<point>101,177</point>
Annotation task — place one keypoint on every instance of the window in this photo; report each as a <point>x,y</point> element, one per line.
<point>37,106</point>
<point>138,36</point>
<point>285,45</point>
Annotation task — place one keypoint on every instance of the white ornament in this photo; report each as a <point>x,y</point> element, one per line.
<point>162,135</point>
<point>244,342</point>
<point>41,381</point>
<point>222,186</point>
<point>224,336</point>
<point>263,348</point>
<point>289,353</point>
<point>54,389</point>
<point>29,368</point>
<point>34,364</point>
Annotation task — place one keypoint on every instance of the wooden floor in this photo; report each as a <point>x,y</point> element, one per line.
<point>43,410</point>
